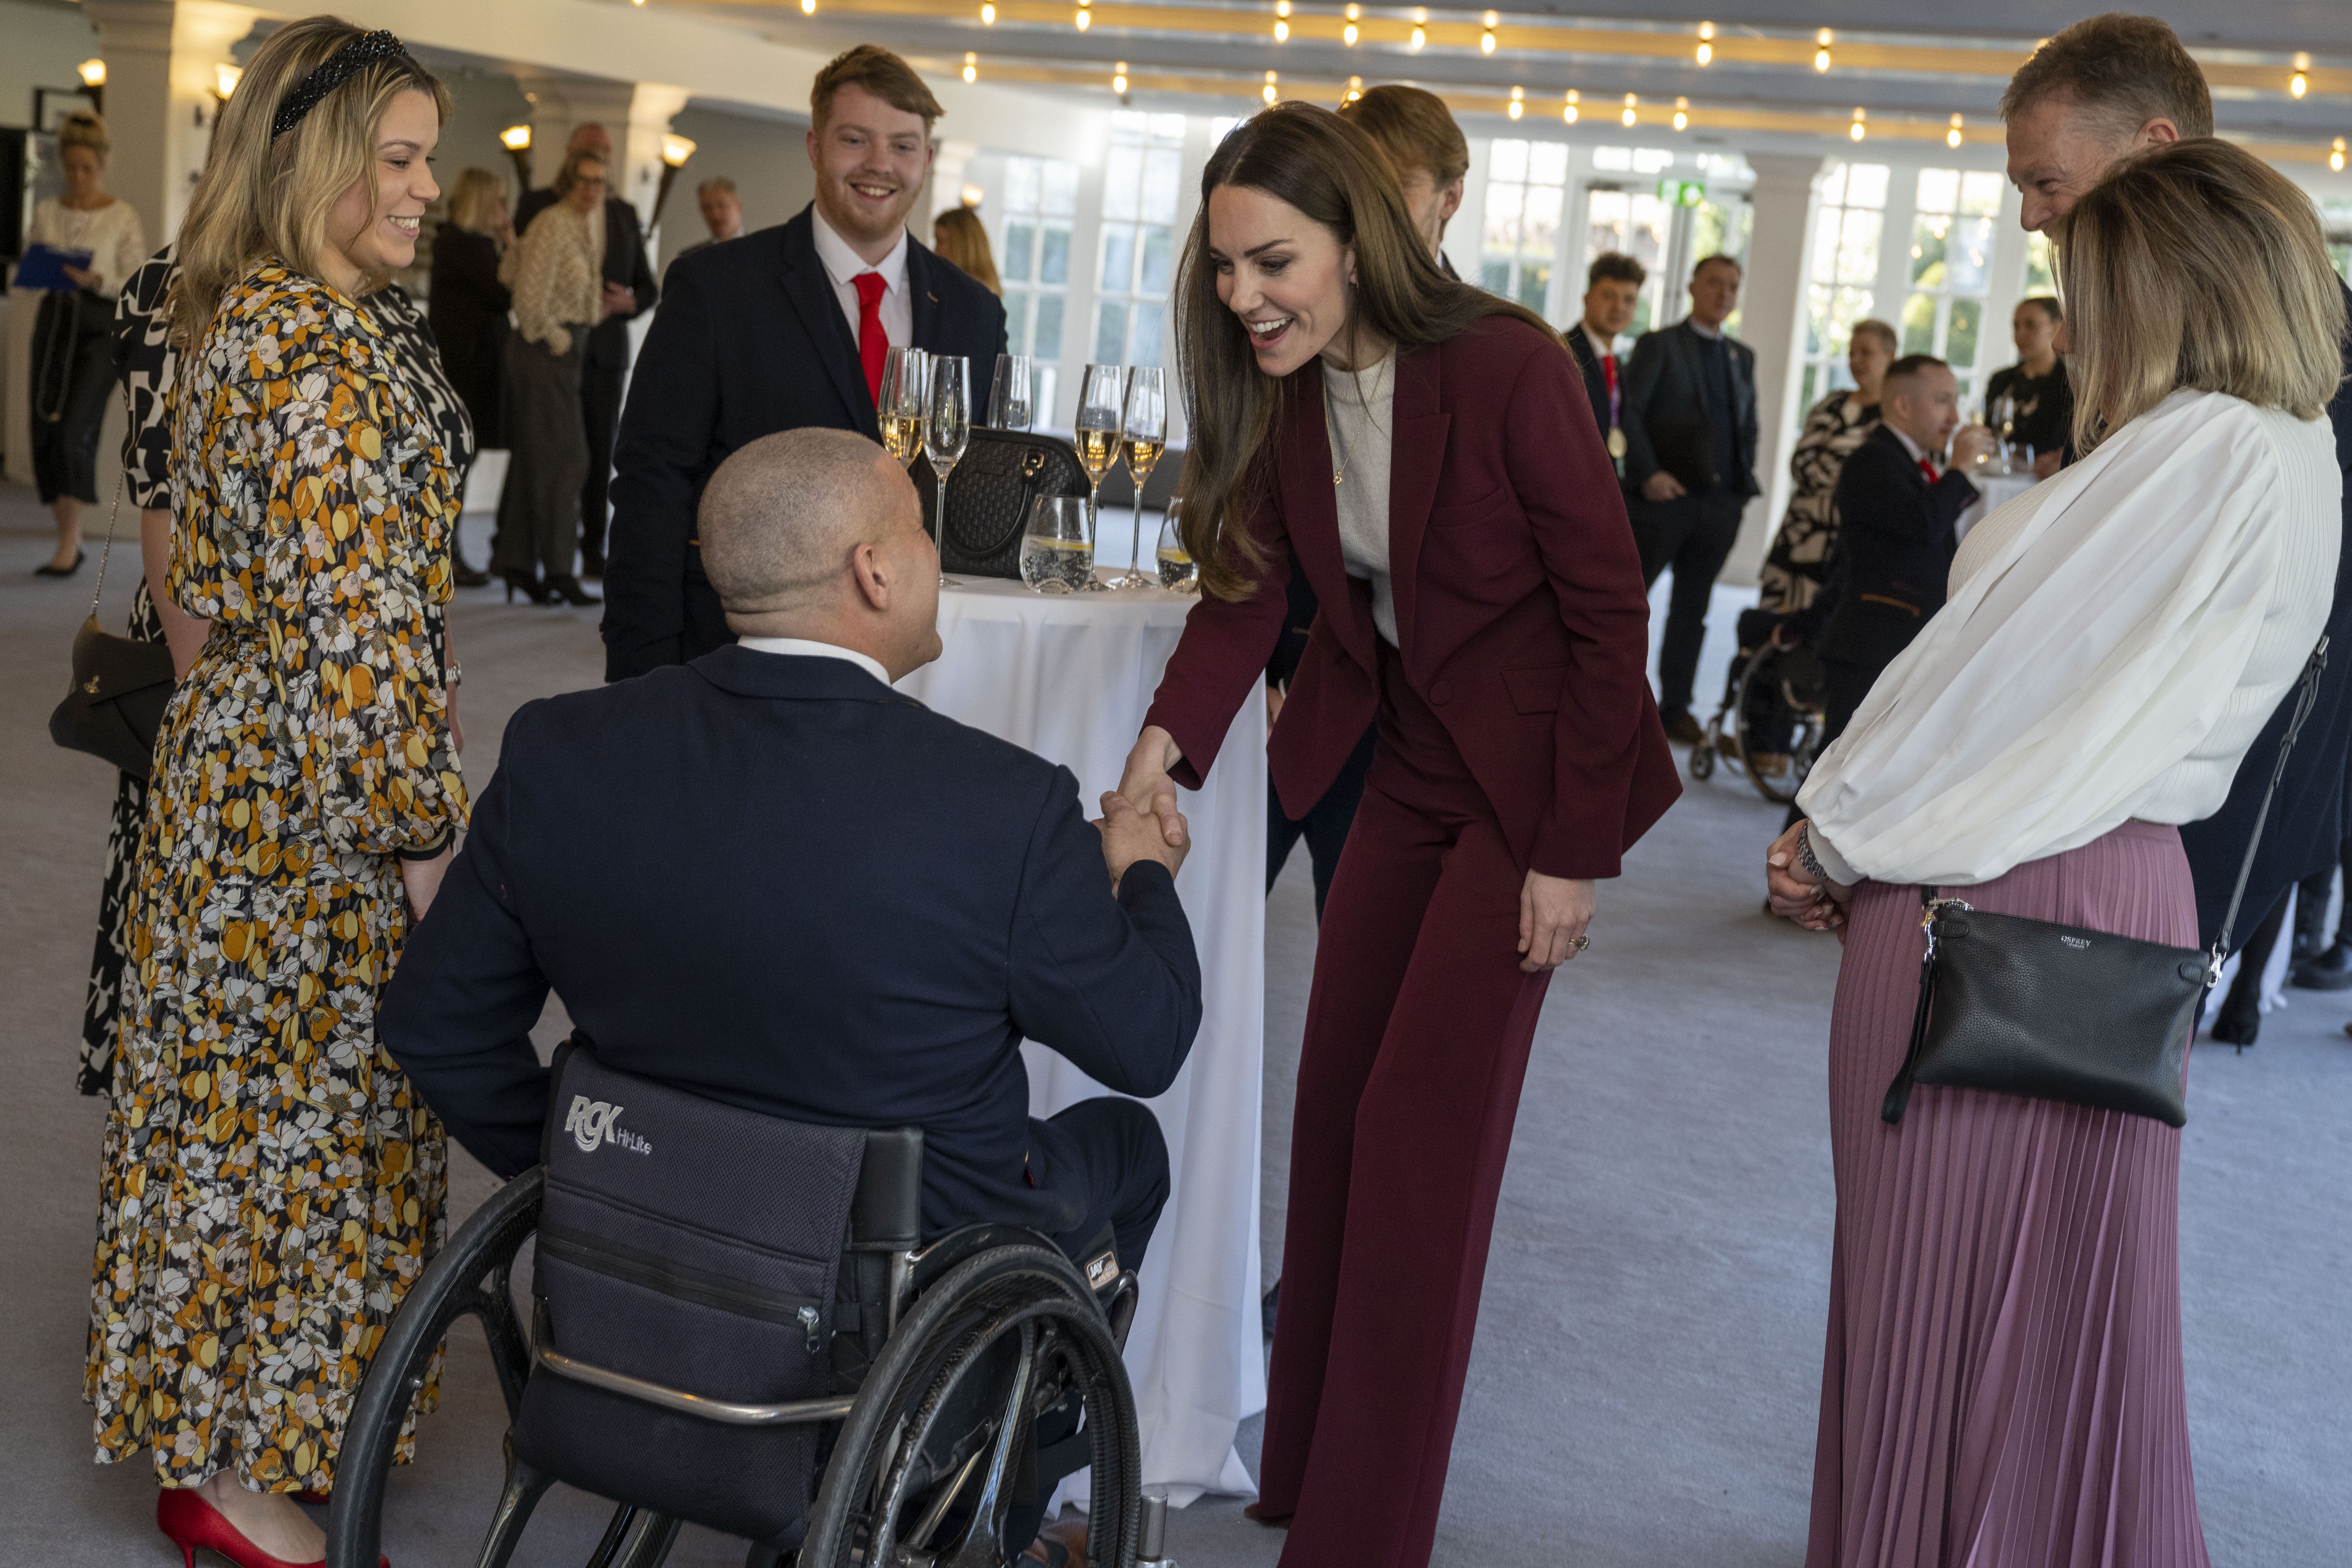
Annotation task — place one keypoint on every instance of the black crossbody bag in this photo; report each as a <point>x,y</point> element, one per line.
<point>990,494</point>
<point>2060,1011</point>
<point>113,706</point>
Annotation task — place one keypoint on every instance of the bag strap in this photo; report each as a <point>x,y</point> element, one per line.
<point>122,478</point>
<point>2304,702</point>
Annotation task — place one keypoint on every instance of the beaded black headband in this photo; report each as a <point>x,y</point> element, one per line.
<point>338,67</point>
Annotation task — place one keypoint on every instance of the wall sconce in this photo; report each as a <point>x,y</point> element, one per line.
<point>676,151</point>
<point>516,140</point>
<point>225,79</point>
<point>92,72</point>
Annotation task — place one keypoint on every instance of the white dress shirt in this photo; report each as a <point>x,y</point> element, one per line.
<point>802,647</point>
<point>843,264</point>
<point>2114,640</point>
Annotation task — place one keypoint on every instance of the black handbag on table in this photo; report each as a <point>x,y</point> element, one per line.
<point>114,704</point>
<point>2060,1011</point>
<point>990,494</point>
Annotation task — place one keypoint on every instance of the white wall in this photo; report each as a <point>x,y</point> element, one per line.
<point>765,155</point>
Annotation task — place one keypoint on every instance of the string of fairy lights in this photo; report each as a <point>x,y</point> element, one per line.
<point>1704,45</point>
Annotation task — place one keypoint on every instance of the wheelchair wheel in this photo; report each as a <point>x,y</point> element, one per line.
<point>924,1469</point>
<point>1775,718</point>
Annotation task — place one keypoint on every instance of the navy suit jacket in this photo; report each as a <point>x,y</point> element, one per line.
<point>1664,407</point>
<point>777,882</point>
<point>1894,550</point>
<point>750,339</point>
<point>1596,382</point>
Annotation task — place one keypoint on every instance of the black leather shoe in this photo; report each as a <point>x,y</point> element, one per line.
<point>569,590</point>
<point>2240,1022</point>
<point>466,576</point>
<point>1685,731</point>
<point>528,586</point>
<point>2331,971</point>
<point>51,569</point>
<point>2310,925</point>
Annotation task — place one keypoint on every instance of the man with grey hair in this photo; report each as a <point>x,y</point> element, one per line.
<point>766,877</point>
<point>2091,96</point>
<point>722,214</point>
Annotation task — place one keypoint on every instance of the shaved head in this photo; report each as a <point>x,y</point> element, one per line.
<point>817,534</point>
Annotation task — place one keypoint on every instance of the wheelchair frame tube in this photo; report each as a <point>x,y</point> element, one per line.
<point>796,1411</point>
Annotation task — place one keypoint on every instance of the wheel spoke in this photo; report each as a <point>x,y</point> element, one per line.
<point>524,1488</point>
<point>983,1544</point>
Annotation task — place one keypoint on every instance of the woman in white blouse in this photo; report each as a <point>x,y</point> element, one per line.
<point>2003,1382</point>
<point>73,364</point>
<point>557,273</point>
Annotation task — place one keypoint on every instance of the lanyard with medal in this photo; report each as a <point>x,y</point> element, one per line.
<point>1616,432</point>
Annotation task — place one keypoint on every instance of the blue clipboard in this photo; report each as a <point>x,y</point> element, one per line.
<point>44,266</point>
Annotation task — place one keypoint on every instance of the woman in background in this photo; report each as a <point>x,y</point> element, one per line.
<point>2037,384</point>
<point>960,237</point>
<point>73,370</point>
<point>2003,1381</point>
<point>1834,427</point>
<point>469,311</point>
<point>270,1186</point>
<point>557,273</point>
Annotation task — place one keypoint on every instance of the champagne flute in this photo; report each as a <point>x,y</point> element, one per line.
<point>1098,433</point>
<point>1010,401</point>
<point>1143,432</point>
<point>1178,571</point>
<point>946,429</point>
<point>900,408</point>
<point>1056,555</point>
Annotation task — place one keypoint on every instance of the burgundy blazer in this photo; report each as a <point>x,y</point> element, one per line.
<point>1521,617</point>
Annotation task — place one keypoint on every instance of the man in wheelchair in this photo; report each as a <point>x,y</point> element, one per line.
<point>769,880</point>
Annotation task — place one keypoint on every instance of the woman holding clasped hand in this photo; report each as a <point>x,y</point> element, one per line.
<point>1426,449</point>
<point>2004,1379</point>
<point>271,1186</point>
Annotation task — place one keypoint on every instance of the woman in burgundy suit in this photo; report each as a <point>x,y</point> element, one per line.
<point>1426,449</point>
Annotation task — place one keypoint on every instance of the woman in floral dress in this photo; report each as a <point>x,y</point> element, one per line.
<point>271,1185</point>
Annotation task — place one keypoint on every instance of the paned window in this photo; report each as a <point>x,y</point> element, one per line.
<point>1951,268</point>
<point>1525,184</point>
<point>2040,265</point>
<point>1841,268</point>
<point>1041,201</point>
<point>1634,223</point>
<point>1142,178</point>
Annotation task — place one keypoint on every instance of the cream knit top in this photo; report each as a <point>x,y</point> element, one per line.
<point>558,275</point>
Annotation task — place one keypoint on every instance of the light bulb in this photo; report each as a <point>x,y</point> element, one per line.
<point>1682,120</point>
<point>1952,137</point>
<point>1281,32</point>
<point>1268,94</point>
<point>1705,53</point>
<point>92,72</point>
<point>971,72</point>
<point>1119,78</point>
<point>514,138</point>
<point>1854,131</point>
<point>225,78</point>
<point>1628,117</point>
<point>2298,84</point>
<point>1567,115</point>
<point>808,7</point>
<point>676,149</point>
<point>988,15</point>
<point>1486,43</point>
<point>1282,8</point>
<point>1418,38</point>
<point>1085,20</point>
<point>2336,160</point>
<point>1348,33</point>
<point>1821,59</point>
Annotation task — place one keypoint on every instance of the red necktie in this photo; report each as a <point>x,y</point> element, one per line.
<point>873,342</point>
<point>1927,466</point>
<point>1609,375</point>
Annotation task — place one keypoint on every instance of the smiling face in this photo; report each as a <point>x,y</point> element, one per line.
<point>2058,150</point>
<point>1284,275</point>
<point>85,174</point>
<point>870,161</point>
<point>373,225</point>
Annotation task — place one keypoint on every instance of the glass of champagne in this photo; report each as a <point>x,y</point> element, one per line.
<point>1010,399</point>
<point>906,391</point>
<point>1143,435</point>
<point>946,429</point>
<point>1098,433</point>
<point>1057,553</point>
<point>2005,409</point>
<point>1177,574</point>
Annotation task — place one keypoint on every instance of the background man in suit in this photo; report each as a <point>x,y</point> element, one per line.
<point>722,212</point>
<point>1898,504</point>
<point>1425,150</point>
<point>1613,293</point>
<point>1689,410</point>
<point>781,329</point>
<point>629,292</point>
<point>2089,98</point>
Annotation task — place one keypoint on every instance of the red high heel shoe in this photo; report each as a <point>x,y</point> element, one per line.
<point>190,1523</point>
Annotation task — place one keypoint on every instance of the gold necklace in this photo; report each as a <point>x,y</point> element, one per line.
<point>1331,419</point>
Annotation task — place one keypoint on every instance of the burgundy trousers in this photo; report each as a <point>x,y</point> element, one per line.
<point>1417,1036</point>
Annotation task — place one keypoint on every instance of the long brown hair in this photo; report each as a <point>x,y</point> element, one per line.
<point>1334,173</point>
<point>2197,265</point>
<point>262,195</point>
<point>960,237</point>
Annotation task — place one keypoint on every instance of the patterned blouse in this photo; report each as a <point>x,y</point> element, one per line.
<point>328,502</point>
<point>557,272</point>
<point>1795,565</point>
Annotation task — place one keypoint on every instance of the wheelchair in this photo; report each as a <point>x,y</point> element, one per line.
<point>1772,713</point>
<point>734,1322</point>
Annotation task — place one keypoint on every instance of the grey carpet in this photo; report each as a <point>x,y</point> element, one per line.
<point>1649,1355</point>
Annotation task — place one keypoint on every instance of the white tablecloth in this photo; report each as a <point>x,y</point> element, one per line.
<point>1069,676</point>
<point>1993,492</point>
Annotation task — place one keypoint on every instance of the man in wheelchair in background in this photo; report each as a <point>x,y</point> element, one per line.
<point>767,879</point>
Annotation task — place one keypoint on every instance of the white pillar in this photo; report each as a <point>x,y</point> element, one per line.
<point>161,63</point>
<point>1772,305</point>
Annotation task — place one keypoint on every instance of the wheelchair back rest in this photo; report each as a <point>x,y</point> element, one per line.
<point>693,1245</point>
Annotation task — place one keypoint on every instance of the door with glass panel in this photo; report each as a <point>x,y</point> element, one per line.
<point>1526,186</point>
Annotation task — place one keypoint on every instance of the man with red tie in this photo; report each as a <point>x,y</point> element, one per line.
<point>775,331</point>
<point>1897,506</point>
<point>1613,293</point>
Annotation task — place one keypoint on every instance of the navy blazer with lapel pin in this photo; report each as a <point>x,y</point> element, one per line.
<point>750,339</point>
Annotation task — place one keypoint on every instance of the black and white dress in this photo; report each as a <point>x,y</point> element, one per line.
<point>144,360</point>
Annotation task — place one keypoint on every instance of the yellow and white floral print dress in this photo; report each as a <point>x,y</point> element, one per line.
<point>271,1184</point>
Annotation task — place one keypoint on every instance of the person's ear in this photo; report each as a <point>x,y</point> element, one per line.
<point>1450,202</point>
<point>872,575</point>
<point>2157,131</point>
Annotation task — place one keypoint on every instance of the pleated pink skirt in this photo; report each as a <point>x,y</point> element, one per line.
<point>2002,1387</point>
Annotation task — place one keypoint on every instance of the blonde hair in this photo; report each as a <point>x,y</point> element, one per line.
<point>2195,265</point>
<point>84,129</point>
<point>471,197</point>
<point>961,240</point>
<point>263,195</point>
